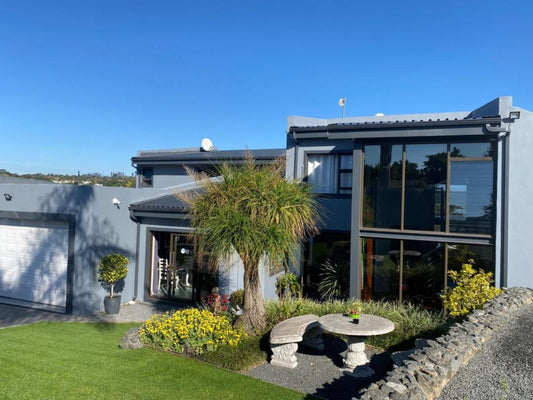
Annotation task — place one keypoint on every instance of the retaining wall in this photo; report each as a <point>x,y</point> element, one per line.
<point>426,371</point>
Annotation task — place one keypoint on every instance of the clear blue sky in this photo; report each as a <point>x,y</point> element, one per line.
<point>85,84</point>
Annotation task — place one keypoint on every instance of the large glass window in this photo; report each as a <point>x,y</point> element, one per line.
<point>429,187</point>
<point>382,186</point>
<point>381,269</point>
<point>333,249</point>
<point>471,196</point>
<point>330,173</point>
<point>416,271</point>
<point>423,273</point>
<point>425,187</point>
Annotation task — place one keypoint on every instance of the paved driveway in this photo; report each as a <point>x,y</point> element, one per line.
<point>13,316</point>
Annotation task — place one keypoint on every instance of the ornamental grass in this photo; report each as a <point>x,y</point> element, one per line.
<point>190,330</point>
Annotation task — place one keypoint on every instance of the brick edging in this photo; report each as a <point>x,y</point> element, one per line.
<point>427,370</point>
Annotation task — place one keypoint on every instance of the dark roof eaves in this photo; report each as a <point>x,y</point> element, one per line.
<point>396,124</point>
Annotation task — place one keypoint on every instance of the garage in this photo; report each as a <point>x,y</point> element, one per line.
<point>34,263</point>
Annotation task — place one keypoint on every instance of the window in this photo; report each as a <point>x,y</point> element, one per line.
<point>414,270</point>
<point>147,177</point>
<point>429,187</point>
<point>330,173</point>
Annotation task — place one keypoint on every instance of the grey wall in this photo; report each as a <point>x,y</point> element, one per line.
<point>520,202</point>
<point>167,176</point>
<point>100,228</point>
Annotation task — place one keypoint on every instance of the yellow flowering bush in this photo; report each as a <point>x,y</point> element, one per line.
<point>199,330</point>
<point>474,288</point>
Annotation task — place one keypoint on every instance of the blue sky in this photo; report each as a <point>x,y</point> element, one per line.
<point>85,84</point>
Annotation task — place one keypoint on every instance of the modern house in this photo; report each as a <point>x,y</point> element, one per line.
<point>406,198</point>
<point>52,236</point>
<point>410,197</point>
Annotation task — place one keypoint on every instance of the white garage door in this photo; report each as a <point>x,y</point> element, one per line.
<point>33,262</point>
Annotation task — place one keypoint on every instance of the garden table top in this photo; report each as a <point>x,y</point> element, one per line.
<point>369,325</point>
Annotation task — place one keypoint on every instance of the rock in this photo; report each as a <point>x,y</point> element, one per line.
<point>131,340</point>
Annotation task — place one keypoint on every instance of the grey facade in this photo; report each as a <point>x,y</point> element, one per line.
<point>400,209</point>
<point>406,197</point>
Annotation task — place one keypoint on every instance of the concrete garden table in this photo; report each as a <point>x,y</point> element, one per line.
<point>356,361</point>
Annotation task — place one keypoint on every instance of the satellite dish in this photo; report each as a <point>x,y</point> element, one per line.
<point>342,101</point>
<point>379,115</point>
<point>207,145</point>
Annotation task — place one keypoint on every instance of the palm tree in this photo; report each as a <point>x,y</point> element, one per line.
<point>252,210</point>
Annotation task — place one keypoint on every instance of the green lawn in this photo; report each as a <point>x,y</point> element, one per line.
<point>82,360</point>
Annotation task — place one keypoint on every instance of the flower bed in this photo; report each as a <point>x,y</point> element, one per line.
<point>192,329</point>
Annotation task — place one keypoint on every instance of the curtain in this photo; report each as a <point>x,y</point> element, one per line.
<point>323,172</point>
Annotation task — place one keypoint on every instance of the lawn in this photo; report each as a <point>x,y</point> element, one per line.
<point>82,360</point>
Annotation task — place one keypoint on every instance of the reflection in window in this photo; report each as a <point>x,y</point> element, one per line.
<point>332,247</point>
<point>472,149</point>
<point>471,197</point>
<point>425,187</point>
<point>483,256</point>
<point>423,273</point>
<point>329,173</point>
<point>147,177</point>
<point>382,186</point>
<point>381,269</point>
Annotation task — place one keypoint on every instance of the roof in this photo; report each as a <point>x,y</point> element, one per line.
<point>197,156</point>
<point>167,203</point>
<point>390,124</point>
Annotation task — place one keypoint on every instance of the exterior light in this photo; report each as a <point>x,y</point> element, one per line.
<point>7,196</point>
<point>514,115</point>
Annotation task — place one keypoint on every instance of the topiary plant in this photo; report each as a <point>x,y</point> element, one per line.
<point>474,288</point>
<point>111,269</point>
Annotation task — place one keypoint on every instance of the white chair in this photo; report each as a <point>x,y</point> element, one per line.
<point>162,269</point>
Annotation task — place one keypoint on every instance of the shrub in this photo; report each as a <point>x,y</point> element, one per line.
<point>474,288</point>
<point>409,320</point>
<point>288,286</point>
<point>216,303</point>
<point>247,354</point>
<point>236,298</point>
<point>196,330</point>
<point>334,280</point>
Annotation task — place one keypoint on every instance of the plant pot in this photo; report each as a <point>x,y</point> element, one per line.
<point>355,318</point>
<point>112,304</point>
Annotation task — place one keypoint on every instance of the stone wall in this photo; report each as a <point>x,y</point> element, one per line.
<point>427,370</point>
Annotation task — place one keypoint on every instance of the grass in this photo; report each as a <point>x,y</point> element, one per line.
<point>82,360</point>
<point>410,322</point>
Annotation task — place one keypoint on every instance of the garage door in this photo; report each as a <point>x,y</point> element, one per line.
<point>33,262</point>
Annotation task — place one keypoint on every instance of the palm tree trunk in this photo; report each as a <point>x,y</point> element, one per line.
<point>253,319</point>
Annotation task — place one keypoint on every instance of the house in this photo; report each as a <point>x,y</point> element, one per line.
<point>164,245</point>
<point>406,198</point>
<point>410,197</point>
<point>52,236</point>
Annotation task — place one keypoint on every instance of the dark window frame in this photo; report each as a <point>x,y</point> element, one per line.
<point>341,191</point>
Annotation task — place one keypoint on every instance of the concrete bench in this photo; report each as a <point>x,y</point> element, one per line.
<point>285,336</point>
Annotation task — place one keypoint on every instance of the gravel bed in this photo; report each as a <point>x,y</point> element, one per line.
<point>503,370</point>
<point>319,373</point>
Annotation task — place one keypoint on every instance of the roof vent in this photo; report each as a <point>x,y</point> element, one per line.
<point>379,115</point>
<point>207,145</point>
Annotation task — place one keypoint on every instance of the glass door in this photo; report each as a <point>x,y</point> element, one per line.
<point>180,268</point>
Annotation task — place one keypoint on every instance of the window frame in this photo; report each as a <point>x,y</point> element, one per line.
<point>341,191</point>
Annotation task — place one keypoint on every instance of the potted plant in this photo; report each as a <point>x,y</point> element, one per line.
<point>355,313</point>
<point>111,269</point>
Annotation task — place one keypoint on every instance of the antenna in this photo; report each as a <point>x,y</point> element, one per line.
<point>342,103</point>
<point>207,145</point>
